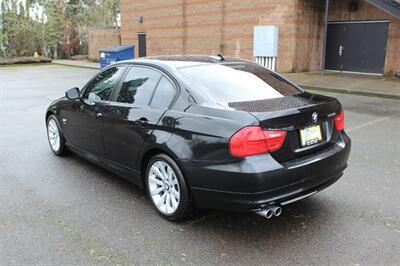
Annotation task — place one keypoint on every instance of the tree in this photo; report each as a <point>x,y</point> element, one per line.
<point>63,26</point>
<point>18,29</point>
<point>54,26</point>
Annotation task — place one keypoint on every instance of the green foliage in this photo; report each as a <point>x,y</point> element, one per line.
<point>54,26</point>
<point>63,24</point>
<point>18,30</point>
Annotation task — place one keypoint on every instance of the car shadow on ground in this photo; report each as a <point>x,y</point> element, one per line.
<point>315,214</point>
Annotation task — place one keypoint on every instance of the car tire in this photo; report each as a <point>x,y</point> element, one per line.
<point>167,188</point>
<point>54,136</point>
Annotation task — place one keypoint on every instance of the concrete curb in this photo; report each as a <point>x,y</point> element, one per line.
<point>70,65</point>
<point>354,92</point>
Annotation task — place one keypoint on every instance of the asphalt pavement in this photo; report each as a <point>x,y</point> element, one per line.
<point>63,211</point>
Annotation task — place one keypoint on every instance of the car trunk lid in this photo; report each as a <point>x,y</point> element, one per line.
<point>294,114</point>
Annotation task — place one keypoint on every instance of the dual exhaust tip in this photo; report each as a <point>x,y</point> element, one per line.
<point>270,211</point>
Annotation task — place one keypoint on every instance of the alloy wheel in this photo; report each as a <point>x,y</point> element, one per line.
<point>164,187</point>
<point>53,135</point>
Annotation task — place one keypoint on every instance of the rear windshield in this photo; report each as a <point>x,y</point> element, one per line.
<point>238,82</point>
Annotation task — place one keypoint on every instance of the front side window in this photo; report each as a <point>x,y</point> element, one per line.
<point>164,94</point>
<point>101,87</point>
<point>139,85</point>
<point>237,82</point>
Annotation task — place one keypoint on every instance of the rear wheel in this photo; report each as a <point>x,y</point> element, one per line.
<point>167,188</point>
<point>55,137</point>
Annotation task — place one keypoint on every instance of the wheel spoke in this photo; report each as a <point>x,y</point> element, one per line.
<point>158,172</point>
<point>156,191</point>
<point>161,201</point>
<point>164,173</point>
<point>174,202</point>
<point>169,174</point>
<point>154,180</point>
<point>168,202</point>
<point>175,193</point>
<point>174,181</point>
<point>52,126</point>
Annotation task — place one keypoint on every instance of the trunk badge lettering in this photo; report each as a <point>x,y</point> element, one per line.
<point>332,114</point>
<point>314,117</point>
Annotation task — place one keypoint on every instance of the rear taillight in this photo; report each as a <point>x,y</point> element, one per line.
<point>339,121</point>
<point>254,140</point>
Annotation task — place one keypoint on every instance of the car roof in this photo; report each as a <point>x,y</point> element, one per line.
<point>178,61</point>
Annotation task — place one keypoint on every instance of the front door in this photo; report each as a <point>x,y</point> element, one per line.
<point>84,121</point>
<point>129,119</point>
<point>358,46</point>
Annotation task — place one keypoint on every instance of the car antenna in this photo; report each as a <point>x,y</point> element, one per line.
<point>218,57</point>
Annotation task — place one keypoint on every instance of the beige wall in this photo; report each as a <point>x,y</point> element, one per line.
<point>101,38</point>
<point>226,26</point>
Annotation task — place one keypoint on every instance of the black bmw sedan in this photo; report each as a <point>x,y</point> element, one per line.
<point>204,131</point>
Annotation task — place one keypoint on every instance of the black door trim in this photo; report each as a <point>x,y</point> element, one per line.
<point>359,21</point>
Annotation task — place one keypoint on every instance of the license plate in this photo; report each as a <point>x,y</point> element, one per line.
<point>310,135</point>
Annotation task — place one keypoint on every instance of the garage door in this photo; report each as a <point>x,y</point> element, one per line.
<point>357,46</point>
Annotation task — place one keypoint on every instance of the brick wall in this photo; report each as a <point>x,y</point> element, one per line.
<point>211,26</point>
<point>101,38</point>
<point>300,34</point>
<point>226,26</point>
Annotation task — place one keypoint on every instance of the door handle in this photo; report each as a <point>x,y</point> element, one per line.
<point>341,49</point>
<point>142,121</point>
<point>95,114</point>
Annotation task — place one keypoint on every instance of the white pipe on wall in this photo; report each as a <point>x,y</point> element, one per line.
<point>268,62</point>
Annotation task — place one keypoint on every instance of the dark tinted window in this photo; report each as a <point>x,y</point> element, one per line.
<point>164,94</point>
<point>237,82</point>
<point>139,85</point>
<point>100,88</point>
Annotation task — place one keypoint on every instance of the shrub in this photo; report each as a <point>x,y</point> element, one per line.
<point>25,60</point>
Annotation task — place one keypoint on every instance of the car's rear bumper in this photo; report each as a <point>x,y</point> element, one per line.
<point>255,182</point>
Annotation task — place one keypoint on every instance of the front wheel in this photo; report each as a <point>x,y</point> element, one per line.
<point>55,137</point>
<point>167,188</point>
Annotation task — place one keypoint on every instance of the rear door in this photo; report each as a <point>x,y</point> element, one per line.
<point>132,115</point>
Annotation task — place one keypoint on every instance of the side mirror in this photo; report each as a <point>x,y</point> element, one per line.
<point>72,94</point>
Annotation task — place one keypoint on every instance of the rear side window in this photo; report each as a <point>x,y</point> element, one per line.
<point>164,94</point>
<point>237,82</point>
<point>138,86</point>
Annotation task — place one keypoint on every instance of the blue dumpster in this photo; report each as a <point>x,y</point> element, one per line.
<point>114,54</point>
